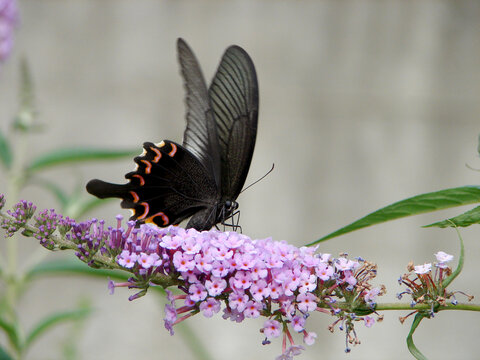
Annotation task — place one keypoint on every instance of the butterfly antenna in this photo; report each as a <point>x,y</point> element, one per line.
<point>263,177</point>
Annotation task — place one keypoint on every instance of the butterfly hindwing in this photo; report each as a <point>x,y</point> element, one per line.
<point>168,186</point>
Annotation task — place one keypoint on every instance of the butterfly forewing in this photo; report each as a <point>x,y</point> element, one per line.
<point>200,136</point>
<point>234,98</point>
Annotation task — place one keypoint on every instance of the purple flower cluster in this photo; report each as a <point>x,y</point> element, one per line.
<point>252,278</point>
<point>8,20</point>
<point>21,213</point>
<point>213,269</point>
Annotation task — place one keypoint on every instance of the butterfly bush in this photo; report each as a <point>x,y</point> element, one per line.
<point>8,20</point>
<point>212,270</point>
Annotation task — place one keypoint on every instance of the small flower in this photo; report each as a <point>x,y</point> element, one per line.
<point>210,307</point>
<point>127,259</point>
<point>272,329</point>
<point>309,338</point>
<point>443,257</point>
<point>423,269</point>
<point>197,292</point>
<point>306,302</point>
<point>369,321</point>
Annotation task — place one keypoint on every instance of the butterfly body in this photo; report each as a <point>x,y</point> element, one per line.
<point>201,178</point>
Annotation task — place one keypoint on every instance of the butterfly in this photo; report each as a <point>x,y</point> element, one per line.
<point>201,178</point>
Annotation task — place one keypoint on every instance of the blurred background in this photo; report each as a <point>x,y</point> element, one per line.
<point>362,103</point>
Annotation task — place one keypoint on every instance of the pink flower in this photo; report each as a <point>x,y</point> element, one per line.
<point>191,246</point>
<point>210,307</point>
<point>220,268</point>
<point>324,271</point>
<point>183,262</point>
<point>260,290</point>
<point>203,263</point>
<point>298,323</point>
<point>197,292</point>
<point>215,286</point>
<point>252,309</point>
<point>272,329</point>
<point>370,295</point>
<point>309,338</point>
<point>306,302</point>
<point>127,259</point>
<point>171,243</point>
<point>242,280</point>
<point>238,301</point>
<point>147,261</point>
<point>369,321</point>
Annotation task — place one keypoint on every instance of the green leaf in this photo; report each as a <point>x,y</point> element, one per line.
<point>72,155</point>
<point>5,151</point>
<point>468,218</point>
<point>53,320</point>
<point>11,332</point>
<point>411,346</point>
<point>415,205</point>
<point>4,355</point>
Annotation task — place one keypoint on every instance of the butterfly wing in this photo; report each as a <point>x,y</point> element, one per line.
<point>200,136</point>
<point>233,96</point>
<point>168,185</point>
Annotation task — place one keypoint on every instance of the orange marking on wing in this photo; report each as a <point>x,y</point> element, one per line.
<point>142,181</point>
<point>148,166</point>
<point>174,150</point>
<point>162,215</point>
<point>135,196</point>
<point>145,213</point>
<point>158,156</point>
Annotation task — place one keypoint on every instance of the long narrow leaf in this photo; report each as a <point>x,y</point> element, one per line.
<point>66,156</point>
<point>5,151</point>
<point>468,218</point>
<point>54,320</point>
<point>410,344</point>
<point>415,205</point>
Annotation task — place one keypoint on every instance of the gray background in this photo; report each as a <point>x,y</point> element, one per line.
<point>362,103</point>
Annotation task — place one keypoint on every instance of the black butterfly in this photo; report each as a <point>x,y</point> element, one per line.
<point>203,177</point>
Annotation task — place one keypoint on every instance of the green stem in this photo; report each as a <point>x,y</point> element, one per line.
<point>15,180</point>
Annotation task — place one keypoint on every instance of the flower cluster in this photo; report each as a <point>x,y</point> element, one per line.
<point>8,20</point>
<point>21,213</point>
<point>213,269</point>
<point>429,288</point>
<point>252,278</point>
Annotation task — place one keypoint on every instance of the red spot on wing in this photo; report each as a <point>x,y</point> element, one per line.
<point>145,213</point>
<point>173,151</point>
<point>162,215</point>
<point>140,177</point>
<point>135,196</point>
<point>148,166</point>
<point>158,156</point>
